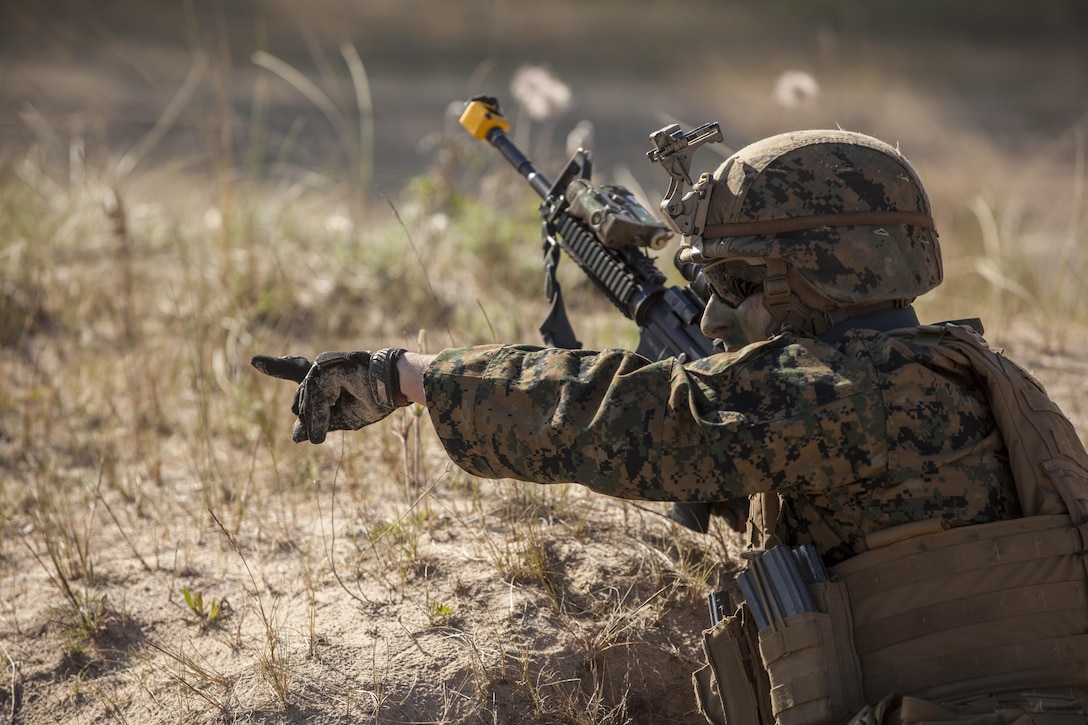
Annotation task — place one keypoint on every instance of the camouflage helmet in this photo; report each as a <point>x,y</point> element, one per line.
<point>844,210</point>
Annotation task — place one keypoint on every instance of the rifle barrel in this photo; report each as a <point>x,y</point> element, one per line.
<point>497,138</point>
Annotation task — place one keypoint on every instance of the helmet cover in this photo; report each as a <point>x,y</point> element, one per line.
<point>844,210</point>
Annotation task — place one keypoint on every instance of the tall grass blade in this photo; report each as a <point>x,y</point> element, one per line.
<point>365,104</point>
<point>166,119</point>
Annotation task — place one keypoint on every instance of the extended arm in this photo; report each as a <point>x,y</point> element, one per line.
<point>715,429</point>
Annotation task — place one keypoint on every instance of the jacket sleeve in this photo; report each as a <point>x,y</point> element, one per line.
<point>722,427</point>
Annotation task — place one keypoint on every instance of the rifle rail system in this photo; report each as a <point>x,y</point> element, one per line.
<point>605,231</point>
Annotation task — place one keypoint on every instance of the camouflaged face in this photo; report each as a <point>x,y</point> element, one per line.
<point>857,437</point>
<point>826,172</point>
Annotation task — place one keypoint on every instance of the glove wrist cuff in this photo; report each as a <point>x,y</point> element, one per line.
<point>383,371</point>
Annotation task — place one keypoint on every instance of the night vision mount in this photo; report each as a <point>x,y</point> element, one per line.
<point>673,149</point>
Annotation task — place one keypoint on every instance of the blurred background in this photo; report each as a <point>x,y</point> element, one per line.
<point>352,105</point>
<point>213,78</point>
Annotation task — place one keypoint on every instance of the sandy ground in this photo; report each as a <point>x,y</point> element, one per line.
<point>443,620</point>
<point>492,602</point>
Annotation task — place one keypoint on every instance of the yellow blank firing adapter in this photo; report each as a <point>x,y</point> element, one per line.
<point>482,115</point>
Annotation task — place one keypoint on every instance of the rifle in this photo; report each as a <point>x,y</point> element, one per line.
<point>606,231</point>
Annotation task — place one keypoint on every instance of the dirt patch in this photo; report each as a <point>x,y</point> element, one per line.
<point>588,614</point>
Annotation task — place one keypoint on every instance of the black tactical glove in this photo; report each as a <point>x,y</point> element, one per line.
<point>339,391</point>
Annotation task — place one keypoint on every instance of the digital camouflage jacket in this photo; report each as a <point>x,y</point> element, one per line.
<point>855,437</point>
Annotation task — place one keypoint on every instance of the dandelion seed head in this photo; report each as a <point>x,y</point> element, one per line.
<point>796,89</point>
<point>540,93</point>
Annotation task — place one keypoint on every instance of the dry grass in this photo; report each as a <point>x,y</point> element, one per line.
<point>167,554</point>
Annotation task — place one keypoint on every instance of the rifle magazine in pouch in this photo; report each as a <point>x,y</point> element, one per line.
<point>733,685</point>
<point>815,677</point>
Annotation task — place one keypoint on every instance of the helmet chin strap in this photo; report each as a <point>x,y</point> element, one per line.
<point>787,309</point>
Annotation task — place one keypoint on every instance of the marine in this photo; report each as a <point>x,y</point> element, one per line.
<point>943,493</point>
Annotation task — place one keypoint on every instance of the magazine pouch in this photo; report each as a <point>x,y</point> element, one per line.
<point>813,669</point>
<point>733,687</point>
